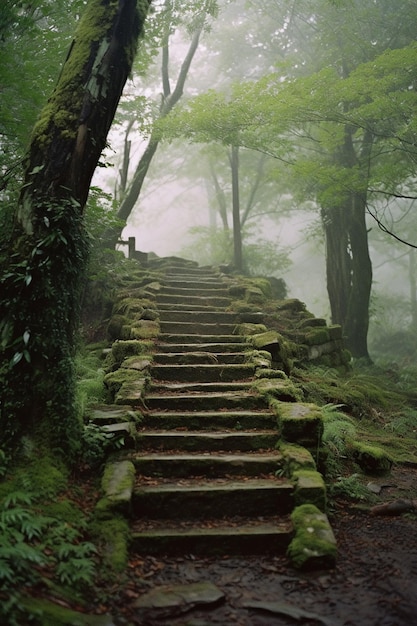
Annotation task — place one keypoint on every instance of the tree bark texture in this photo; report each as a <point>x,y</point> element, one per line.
<point>237,229</point>
<point>42,283</point>
<point>348,264</point>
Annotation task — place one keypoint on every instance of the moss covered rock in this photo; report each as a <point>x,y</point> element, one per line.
<point>371,459</point>
<point>309,488</point>
<point>300,423</point>
<point>296,458</point>
<point>314,544</point>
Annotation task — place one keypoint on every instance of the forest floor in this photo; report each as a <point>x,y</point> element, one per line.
<point>374,582</point>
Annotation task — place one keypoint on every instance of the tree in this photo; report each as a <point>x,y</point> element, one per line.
<point>347,130</point>
<point>42,277</point>
<point>166,21</point>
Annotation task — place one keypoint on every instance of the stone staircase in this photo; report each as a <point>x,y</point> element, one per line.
<point>210,476</point>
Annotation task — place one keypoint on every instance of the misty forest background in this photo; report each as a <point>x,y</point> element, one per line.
<point>278,138</point>
<point>287,125</point>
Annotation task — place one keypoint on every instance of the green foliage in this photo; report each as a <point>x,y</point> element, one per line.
<point>350,487</point>
<point>97,444</point>
<point>39,315</point>
<point>33,543</point>
<point>338,430</point>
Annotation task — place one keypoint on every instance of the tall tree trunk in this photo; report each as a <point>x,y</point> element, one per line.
<point>237,230</point>
<point>357,317</point>
<point>348,264</point>
<point>338,261</point>
<point>42,283</point>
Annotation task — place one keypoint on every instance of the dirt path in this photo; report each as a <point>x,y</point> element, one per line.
<point>373,584</point>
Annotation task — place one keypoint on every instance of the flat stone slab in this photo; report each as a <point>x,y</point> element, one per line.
<point>182,465</point>
<point>117,484</point>
<point>111,414</point>
<point>289,610</point>
<point>178,599</point>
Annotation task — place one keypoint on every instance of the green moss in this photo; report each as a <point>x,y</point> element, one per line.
<point>309,488</point>
<point>112,537</point>
<point>371,459</point>
<point>276,389</point>
<point>300,422</point>
<point>128,307</point>
<point>317,336</point>
<point>247,329</point>
<point>64,106</point>
<point>144,329</point>
<point>265,372</point>
<point>314,545</point>
<point>114,380</point>
<point>117,486</point>
<point>123,349</point>
<point>36,472</point>
<point>296,458</point>
<point>241,306</point>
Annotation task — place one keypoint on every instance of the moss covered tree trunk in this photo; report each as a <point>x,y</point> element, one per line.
<point>47,257</point>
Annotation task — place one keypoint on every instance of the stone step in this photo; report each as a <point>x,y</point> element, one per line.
<point>198,339</point>
<point>242,536</point>
<point>195,288</point>
<point>195,283</point>
<point>196,440</point>
<point>206,372</point>
<point>196,328</point>
<point>198,498</point>
<point>209,465</point>
<point>225,347</point>
<point>199,387</point>
<point>207,420</point>
<point>201,357</point>
<point>197,316</point>
<point>192,271</point>
<point>204,400</point>
<point>188,299</point>
<point>165,307</point>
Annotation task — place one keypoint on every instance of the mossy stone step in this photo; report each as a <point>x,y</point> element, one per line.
<point>197,328</point>
<point>202,317</point>
<point>208,420</point>
<point>208,441</point>
<point>164,307</point>
<point>200,357</point>
<point>211,291</point>
<point>192,387</point>
<point>209,401</point>
<point>191,271</point>
<point>195,283</point>
<point>190,338</point>
<point>242,537</point>
<point>211,347</point>
<point>203,372</point>
<point>198,499</point>
<point>180,465</point>
<point>213,299</point>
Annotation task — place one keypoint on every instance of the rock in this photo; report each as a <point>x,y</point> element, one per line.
<point>283,608</point>
<point>397,507</point>
<point>177,599</point>
<point>314,544</point>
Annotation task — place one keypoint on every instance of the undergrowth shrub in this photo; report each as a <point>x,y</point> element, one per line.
<point>34,546</point>
<point>351,488</point>
<point>338,430</point>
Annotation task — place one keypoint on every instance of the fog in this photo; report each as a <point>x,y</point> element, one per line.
<point>181,194</point>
